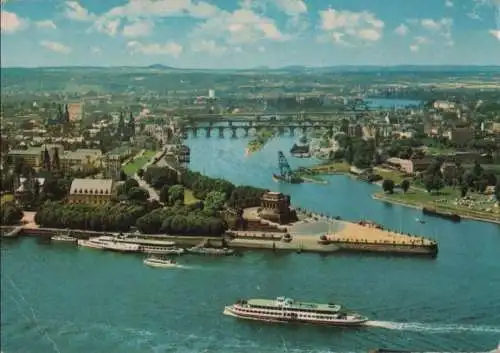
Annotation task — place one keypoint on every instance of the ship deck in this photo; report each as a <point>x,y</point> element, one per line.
<point>295,305</point>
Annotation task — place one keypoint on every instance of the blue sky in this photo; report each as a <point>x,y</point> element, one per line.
<point>249,33</point>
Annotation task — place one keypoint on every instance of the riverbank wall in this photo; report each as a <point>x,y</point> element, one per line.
<point>86,234</point>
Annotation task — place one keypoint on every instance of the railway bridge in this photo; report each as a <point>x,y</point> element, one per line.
<point>251,128</point>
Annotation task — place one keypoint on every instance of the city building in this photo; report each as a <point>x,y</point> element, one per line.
<point>460,135</point>
<point>112,166</point>
<point>83,159</point>
<point>90,191</point>
<point>409,166</point>
<point>444,105</point>
<point>75,111</point>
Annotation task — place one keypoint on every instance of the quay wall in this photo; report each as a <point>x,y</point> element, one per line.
<point>388,248</point>
<point>85,234</point>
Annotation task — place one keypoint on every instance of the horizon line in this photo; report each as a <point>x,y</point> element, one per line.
<point>151,66</point>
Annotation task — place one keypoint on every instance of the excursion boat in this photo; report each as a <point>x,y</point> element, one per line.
<point>91,243</point>
<point>63,238</point>
<point>149,246</point>
<point>287,310</point>
<point>155,261</point>
<point>98,243</point>
<point>211,251</point>
<point>161,250</point>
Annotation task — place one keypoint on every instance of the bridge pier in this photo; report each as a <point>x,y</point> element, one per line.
<point>221,132</point>
<point>208,132</point>
<point>304,130</point>
<point>292,130</point>
<point>195,132</point>
<point>234,134</point>
<point>246,130</point>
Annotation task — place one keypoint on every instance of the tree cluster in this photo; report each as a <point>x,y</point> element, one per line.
<point>10,214</point>
<point>109,217</point>
<point>181,221</point>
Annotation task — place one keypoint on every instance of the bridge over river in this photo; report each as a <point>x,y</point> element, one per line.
<point>253,127</point>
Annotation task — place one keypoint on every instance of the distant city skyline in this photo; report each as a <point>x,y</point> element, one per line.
<point>218,34</point>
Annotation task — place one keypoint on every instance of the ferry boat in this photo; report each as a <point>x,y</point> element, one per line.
<point>155,261</point>
<point>211,251</point>
<point>287,310</point>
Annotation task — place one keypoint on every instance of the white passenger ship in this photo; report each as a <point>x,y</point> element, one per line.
<point>97,243</point>
<point>287,310</point>
<point>146,245</point>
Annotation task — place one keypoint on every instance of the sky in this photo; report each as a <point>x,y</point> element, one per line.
<point>249,33</point>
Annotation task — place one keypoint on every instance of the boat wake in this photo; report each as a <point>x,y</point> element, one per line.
<point>436,328</point>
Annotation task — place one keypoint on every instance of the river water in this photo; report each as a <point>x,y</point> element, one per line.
<point>62,299</point>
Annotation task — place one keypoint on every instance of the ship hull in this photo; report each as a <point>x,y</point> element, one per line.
<point>267,318</point>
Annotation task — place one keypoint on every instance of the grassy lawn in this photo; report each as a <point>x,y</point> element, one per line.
<point>132,167</point>
<point>422,198</point>
<point>337,167</point>
<point>6,198</point>
<point>396,176</point>
<point>189,197</point>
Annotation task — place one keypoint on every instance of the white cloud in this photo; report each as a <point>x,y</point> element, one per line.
<point>138,29</point>
<point>495,33</point>
<point>338,24</point>
<point>48,24</point>
<point>414,48</point>
<point>419,41</point>
<point>448,3</point>
<point>107,26</point>
<point>402,29</point>
<point>208,46</point>
<point>163,8</point>
<point>242,26</point>
<point>11,23</point>
<point>169,48</point>
<point>55,46</point>
<point>292,7</point>
<point>96,50</point>
<point>75,11</point>
<point>442,27</point>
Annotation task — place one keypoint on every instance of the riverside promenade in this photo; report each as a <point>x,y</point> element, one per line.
<point>316,233</point>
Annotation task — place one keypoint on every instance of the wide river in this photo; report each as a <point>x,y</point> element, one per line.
<point>63,299</point>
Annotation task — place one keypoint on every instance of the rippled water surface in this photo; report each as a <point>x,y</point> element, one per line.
<point>61,299</point>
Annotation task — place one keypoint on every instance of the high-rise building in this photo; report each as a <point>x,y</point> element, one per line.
<point>112,166</point>
<point>75,111</point>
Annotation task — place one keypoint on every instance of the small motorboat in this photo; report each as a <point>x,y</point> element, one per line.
<point>155,261</point>
<point>419,220</point>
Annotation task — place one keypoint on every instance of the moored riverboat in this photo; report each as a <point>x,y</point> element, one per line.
<point>161,250</point>
<point>98,243</point>
<point>442,214</point>
<point>210,251</point>
<point>287,310</point>
<point>91,243</point>
<point>63,238</point>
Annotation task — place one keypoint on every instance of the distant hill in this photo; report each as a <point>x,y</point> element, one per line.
<point>160,67</point>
